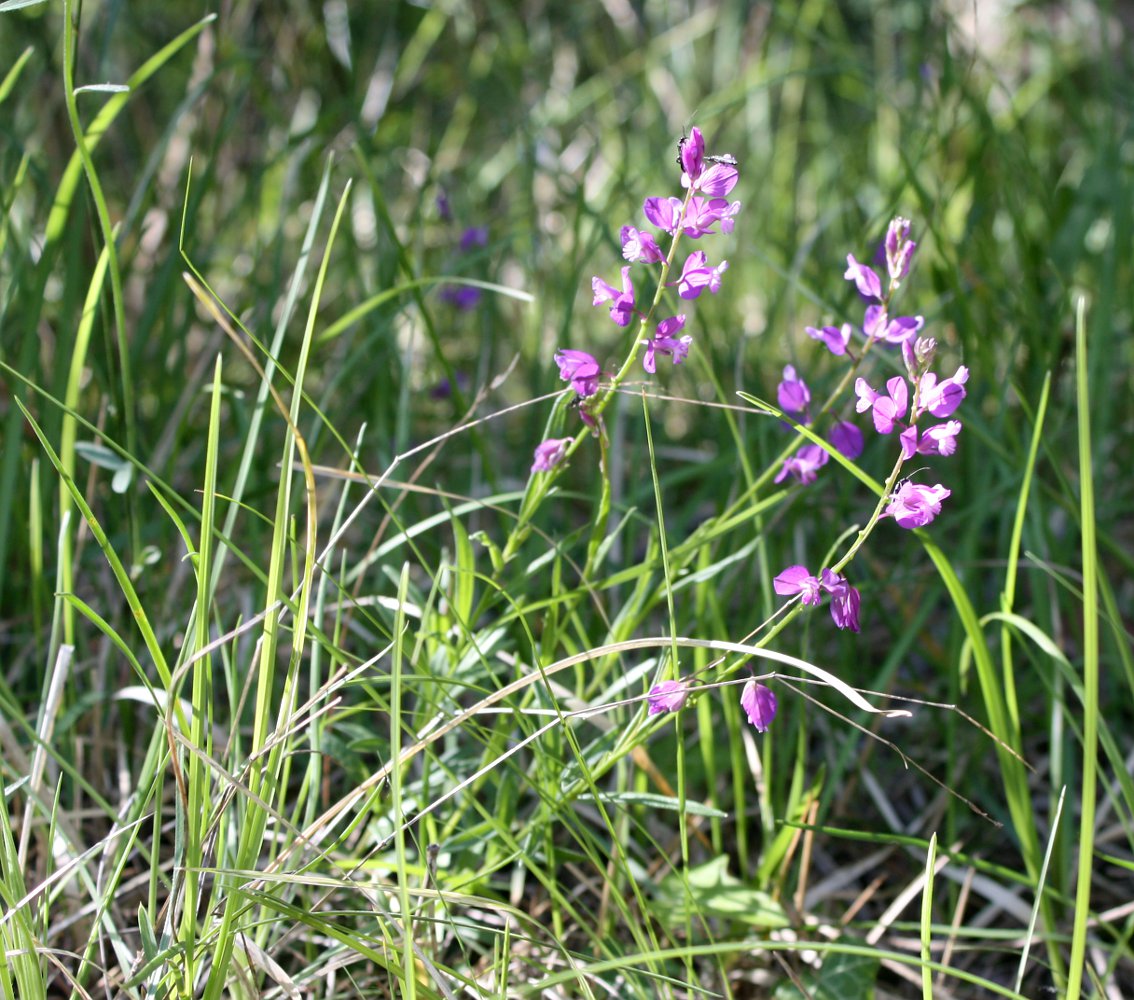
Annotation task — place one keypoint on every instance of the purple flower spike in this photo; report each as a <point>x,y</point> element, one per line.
<point>914,506</point>
<point>845,599</point>
<point>804,465</point>
<point>691,154</point>
<point>637,245</point>
<point>663,212</point>
<point>696,276</point>
<point>580,369</point>
<point>848,439</point>
<point>668,696</point>
<point>463,297</point>
<point>798,580</point>
<point>759,704</point>
<point>549,454</point>
<point>621,303</point>
<point>864,278</point>
<point>792,393</point>
<point>665,343</point>
<point>835,338</point>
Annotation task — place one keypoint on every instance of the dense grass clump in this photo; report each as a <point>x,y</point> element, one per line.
<point>314,687</point>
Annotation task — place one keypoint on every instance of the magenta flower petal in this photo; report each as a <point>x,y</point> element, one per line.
<point>580,369</point>
<point>549,454</point>
<point>847,439</point>
<point>914,506</point>
<point>864,278</point>
<point>668,696</point>
<point>759,704</point>
<point>798,580</point>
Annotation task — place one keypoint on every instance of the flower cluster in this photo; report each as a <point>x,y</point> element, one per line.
<point>707,181</point>
<point>845,599</point>
<point>757,700</point>
<point>463,297</point>
<point>903,406</point>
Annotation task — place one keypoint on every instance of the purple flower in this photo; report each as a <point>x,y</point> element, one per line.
<point>463,297</point>
<point>665,343</point>
<point>798,580</point>
<point>845,599</point>
<point>847,438</point>
<point>621,303</point>
<point>940,439</point>
<point>942,398</point>
<point>474,236</point>
<point>759,703</point>
<point>718,180</point>
<point>804,465</point>
<point>701,215</point>
<point>914,506</point>
<point>792,393</point>
<point>691,152</point>
<point>902,328</point>
<point>899,249</point>
<point>875,322</point>
<point>663,212</point>
<point>549,454</point>
<point>444,209</point>
<point>580,369</point>
<point>864,278</point>
<point>835,338</point>
<point>668,696</point>
<point>887,409</point>
<point>696,276</point>
<point>918,356</point>
<point>638,245</point>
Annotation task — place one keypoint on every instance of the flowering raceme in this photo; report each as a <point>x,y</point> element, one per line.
<point>845,599</point>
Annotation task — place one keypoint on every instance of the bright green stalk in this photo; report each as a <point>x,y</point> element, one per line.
<point>1087,785</point>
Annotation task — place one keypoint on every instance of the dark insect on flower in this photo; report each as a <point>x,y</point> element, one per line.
<point>726,158</point>
<point>681,145</point>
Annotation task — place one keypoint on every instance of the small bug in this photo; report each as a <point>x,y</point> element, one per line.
<point>726,158</point>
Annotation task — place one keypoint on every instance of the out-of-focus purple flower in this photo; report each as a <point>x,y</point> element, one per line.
<point>728,217</point>
<point>665,343</point>
<point>899,249</point>
<point>798,580</point>
<point>759,704</point>
<point>474,236</point>
<point>792,393</point>
<point>639,245</point>
<point>463,297</point>
<point>940,439</point>
<point>845,599</point>
<point>663,213</point>
<point>864,278</point>
<point>914,506</point>
<point>804,465</point>
<point>444,388</point>
<point>696,276</point>
<point>580,369</point>
<point>690,154</point>
<point>621,303</point>
<point>549,454</point>
<point>887,409</point>
<point>848,439</point>
<point>668,696</point>
<point>718,180</point>
<point>942,398</point>
<point>444,209</point>
<point>835,338</point>
<point>701,214</point>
